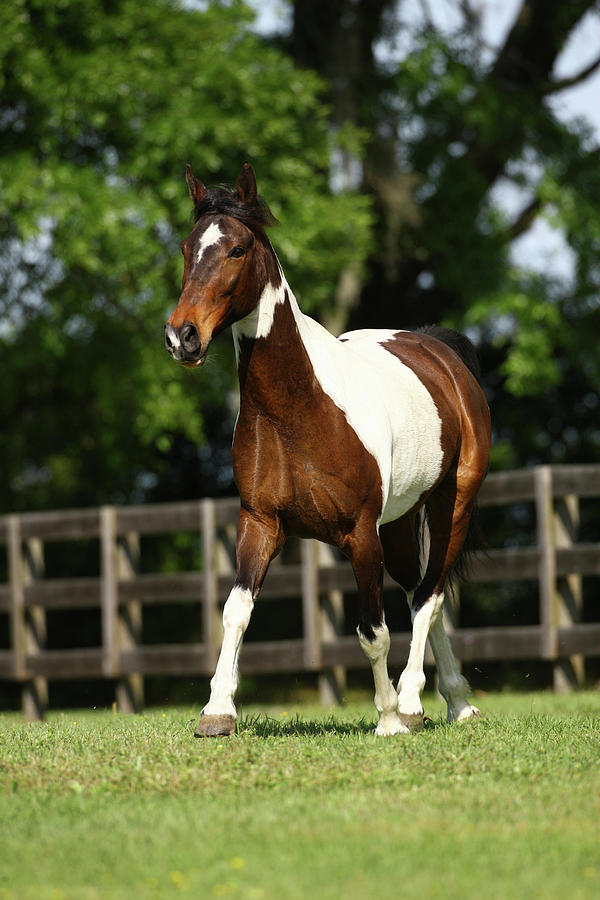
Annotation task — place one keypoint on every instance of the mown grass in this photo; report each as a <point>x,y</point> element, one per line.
<point>96,805</point>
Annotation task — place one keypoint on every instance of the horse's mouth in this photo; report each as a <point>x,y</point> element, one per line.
<point>193,364</point>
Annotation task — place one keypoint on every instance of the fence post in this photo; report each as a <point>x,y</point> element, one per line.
<point>18,633</point>
<point>130,687</point>
<point>332,682</point>
<point>211,628</point>
<point>109,592</point>
<point>547,561</point>
<point>569,672</point>
<point>309,554</point>
<point>35,689</point>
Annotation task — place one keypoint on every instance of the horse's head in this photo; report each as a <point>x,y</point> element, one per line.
<point>228,262</point>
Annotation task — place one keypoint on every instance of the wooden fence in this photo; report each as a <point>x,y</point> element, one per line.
<point>557,562</point>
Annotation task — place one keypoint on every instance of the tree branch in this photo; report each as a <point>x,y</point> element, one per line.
<point>471,16</point>
<point>524,220</point>
<point>552,87</point>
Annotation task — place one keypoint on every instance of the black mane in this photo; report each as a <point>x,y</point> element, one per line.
<point>255,214</point>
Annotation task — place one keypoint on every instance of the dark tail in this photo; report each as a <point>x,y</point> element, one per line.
<point>461,345</point>
<point>474,542</point>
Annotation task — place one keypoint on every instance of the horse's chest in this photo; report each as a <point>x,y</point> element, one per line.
<point>311,470</point>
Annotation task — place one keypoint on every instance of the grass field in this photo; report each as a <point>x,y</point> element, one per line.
<point>98,805</point>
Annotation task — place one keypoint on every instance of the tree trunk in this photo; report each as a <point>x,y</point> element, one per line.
<point>412,270</point>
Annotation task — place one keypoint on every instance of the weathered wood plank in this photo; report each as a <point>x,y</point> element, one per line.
<point>64,593</point>
<point>311,631</point>
<point>580,559</point>
<point>272,656</point>
<point>513,642</point>
<point>470,645</point>
<point>156,588</point>
<point>582,638</point>
<point>580,480</point>
<point>282,581</point>
<point>66,664</point>
<point>16,577</point>
<point>503,488</point>
<point>109,596</point>
<point>159,518</point>
<point>167,659</point>
<point>7,664</point>
<point>510,564</point>
<point>4,598</point>
<point>227,511</point>
<point>61,525</point>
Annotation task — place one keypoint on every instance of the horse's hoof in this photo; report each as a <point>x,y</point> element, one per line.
<point>469,712</point>
<point>213,726</point>
<point>413,721</point>
<point>390,725</point>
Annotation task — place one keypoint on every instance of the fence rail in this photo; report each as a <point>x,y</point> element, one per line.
<point>557,562</point>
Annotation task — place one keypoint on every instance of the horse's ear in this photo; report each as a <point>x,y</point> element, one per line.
<point>195,187</point>
<point>246,184</point>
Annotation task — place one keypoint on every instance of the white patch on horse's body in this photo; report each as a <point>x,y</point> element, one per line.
<point>385,403</point>
<point>212,235</point>
<point>236,615</point>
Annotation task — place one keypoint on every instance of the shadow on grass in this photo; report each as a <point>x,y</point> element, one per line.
<point>264,726</point>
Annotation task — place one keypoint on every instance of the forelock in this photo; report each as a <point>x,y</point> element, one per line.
<point>222,201</point>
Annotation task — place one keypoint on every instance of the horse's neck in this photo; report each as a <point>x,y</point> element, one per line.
<point>275,345</point>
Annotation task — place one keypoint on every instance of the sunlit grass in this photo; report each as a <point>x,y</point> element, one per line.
<point>305,804</point>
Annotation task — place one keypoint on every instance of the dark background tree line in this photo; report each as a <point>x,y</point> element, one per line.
<point>382,168</point>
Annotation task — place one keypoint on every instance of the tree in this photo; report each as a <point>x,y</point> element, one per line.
<point>447,122</point>
<point>102,106</point>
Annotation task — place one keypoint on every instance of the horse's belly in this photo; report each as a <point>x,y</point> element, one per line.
<point>412,475</point>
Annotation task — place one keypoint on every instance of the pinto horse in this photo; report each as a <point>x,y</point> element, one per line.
<point>376,442</point>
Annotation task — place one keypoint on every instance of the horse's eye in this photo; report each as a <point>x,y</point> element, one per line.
<point>237,252</point>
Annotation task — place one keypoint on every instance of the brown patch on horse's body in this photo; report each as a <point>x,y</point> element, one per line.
<point>296,459</point>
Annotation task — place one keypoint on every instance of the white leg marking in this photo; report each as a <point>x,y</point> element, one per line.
<point>386,699</point>
<point>236,615</point>
<point>412,680</point>
<point>454,688</point>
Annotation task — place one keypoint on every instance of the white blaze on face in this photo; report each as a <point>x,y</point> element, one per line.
<point>212,235</point>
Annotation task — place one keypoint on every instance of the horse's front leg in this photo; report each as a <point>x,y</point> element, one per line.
<point>257,543</point>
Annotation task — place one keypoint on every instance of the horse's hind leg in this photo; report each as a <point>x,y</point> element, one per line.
<point>453,687</point>
<point>405,561</point>
<point>366,555</point>
<point>448,512</point>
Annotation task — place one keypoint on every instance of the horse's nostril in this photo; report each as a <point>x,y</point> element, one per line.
<point>189,337</point>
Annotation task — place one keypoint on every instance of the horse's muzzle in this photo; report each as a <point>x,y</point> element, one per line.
<point>184,344</point>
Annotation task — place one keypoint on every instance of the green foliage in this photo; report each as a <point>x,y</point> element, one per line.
<point>103,104</point>
<point>465,130</point>
<point>309,805</point>
<point>532,325</point>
